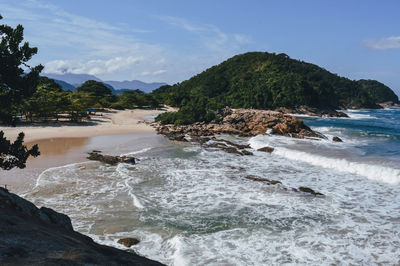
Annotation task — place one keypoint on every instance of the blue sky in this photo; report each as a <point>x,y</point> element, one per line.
<point>172,40</point>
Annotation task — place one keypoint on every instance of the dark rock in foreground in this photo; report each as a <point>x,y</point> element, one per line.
<point>32,236</point>
<point>244,122</point>
<point>108,159</point>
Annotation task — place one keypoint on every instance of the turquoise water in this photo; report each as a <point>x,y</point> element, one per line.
<point>193,206</point>
<point>378,129</point>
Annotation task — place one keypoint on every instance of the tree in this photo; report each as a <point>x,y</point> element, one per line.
<point>15,154</point>
<point>17,79</point>
<point>47,102</point>
<point>80,103</point>
<point>95,88</point>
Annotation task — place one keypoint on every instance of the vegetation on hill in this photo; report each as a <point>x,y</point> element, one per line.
<point>96,88</point>
<point>264,80</point>
<point>377,91</point>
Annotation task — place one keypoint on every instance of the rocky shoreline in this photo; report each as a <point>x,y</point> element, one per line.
<point>243,122</point>
<point>388,104</point>
<point>33,236</point>
<point>311,111</point>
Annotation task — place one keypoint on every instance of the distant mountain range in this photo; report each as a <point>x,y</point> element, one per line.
<point>70,82</point>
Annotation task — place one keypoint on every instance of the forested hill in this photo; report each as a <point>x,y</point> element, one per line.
<point>264,80</point>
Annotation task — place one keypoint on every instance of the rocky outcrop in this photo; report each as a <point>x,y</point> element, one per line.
<point>388,104</point>
<point>33,236</point>
<point>218,143</point>
<point>243,122</point>
<point>307,110</point>
<point>108,159</point>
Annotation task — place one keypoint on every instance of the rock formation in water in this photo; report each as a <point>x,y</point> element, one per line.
<point>108,159</point>
<point>33,236</point>
<point>128,241</point>
<point>243,122</point>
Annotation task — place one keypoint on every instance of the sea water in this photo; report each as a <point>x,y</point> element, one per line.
<point>193,206</point>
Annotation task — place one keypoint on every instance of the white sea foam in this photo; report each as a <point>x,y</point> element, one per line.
<point>200,210</point>
<point>47,171</point>
<point>300,115</point>
<point>177,245</point>
<point>358,114</point>
<point>373,172</point>
<point>135,199</point>
<point>137,152</point>
<point>361,116</point>
<point>129,179</point>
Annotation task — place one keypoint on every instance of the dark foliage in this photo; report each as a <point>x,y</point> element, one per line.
<point>18,80</point>
<point>96,88</point>
<point>135,99</point>
<point>15,154</point>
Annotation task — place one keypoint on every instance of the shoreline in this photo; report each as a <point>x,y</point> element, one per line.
<point>58,152</point>
<point>61,144</point>
<point>113,122</point>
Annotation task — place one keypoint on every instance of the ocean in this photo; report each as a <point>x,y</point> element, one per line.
<point>193,206</point>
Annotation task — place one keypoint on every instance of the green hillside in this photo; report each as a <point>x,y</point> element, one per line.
<point>264,80</point>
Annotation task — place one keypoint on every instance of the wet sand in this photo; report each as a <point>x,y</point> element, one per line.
<point>57,152</point>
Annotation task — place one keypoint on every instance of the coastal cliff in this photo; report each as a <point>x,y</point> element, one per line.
<point>33,236</point>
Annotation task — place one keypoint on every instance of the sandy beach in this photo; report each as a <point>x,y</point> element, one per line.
<point>102,123</point>
<point>65,143</point>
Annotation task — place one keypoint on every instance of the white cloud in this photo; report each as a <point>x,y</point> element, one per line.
<point>384,44</point>
<point>76,44</point>
<point>182,23</point>
<point>212,37</point>
<point>155,73</point>
<point>158,72</point>
<point>93,67</point>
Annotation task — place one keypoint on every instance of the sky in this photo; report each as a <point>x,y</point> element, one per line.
<point>170,41</point>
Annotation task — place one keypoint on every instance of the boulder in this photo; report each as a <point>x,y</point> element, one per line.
<point>127,159</point>
<point>266,149</point>
<point>108,159</point>
<point>337,139</point>
<point>226,146</point>
<point>128,241</point>
<point>309,190</point>
<point>260,179</point>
